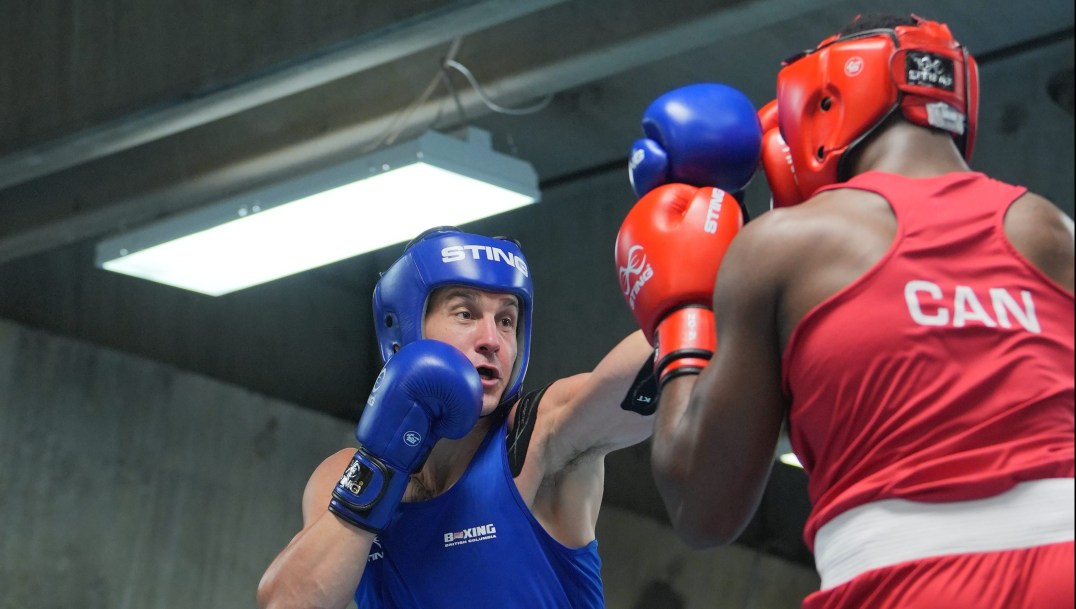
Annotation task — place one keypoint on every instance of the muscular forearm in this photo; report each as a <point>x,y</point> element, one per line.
<point>319,569</point>
<point>672,445</point>
<point>710,464</point>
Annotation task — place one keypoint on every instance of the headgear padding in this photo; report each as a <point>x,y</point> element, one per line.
<point>832,97</point>
<point>448,256</point>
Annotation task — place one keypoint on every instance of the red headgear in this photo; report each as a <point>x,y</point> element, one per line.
<point>830,98</point>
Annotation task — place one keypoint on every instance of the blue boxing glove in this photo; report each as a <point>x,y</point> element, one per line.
<point>426,391</point>
<point>706,134</point>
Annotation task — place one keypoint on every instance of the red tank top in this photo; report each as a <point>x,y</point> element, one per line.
<point>945,372</point>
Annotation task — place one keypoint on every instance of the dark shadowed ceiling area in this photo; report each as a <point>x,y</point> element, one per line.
<point>114,114</point>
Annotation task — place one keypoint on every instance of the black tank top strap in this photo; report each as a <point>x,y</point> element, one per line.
<point>519,433</point>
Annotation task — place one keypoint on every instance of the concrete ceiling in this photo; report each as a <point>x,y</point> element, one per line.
<point>118,113</point>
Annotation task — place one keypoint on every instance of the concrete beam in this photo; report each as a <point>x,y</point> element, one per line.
<point>382,46</point>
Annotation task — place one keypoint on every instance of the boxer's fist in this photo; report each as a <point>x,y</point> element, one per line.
<point>426,391</point>
<point>668,252</point>
<point>705,134</point>
<point>777,161</point>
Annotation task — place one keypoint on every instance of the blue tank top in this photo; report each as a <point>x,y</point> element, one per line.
<point>477,546</point>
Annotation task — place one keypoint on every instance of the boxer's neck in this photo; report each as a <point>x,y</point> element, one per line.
<point>447,462</point>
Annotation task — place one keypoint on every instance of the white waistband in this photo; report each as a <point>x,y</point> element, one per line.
<point>892,531</point>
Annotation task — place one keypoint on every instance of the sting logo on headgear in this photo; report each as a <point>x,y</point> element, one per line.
<point>446,256</point>
<point>929,70</point>
<point>832,97</point>
<point>457,253</point>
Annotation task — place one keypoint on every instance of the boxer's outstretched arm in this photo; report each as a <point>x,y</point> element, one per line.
<point>715,434</point>
<point>586,412</point>
<point>579,420</point>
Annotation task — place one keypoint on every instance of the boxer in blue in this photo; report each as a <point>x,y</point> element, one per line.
<point>463,492</point>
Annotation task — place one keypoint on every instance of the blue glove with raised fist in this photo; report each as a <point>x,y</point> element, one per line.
<point>705,134</point>
<point>426,391</point>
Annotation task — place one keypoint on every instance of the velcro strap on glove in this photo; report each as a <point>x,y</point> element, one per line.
<point>368,492</point>
<point>685,341</point>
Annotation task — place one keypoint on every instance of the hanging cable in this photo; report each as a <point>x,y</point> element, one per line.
<point>455,97</point>
<point>399,123</point>
<point>492,105</point>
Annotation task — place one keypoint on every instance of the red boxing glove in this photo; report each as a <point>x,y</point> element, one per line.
<point>777,161</point>
<point>767,116</point>
<point>668,252</point>
<point>780,174</point>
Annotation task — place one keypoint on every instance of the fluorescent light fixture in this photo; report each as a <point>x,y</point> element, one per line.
<point>326,216</point>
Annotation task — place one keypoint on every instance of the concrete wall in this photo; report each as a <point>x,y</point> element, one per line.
<point>125,484</point>
<point>646,567</point>
<point>128,484</point>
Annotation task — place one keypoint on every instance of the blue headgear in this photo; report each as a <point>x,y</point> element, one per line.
<point>448,256</point>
